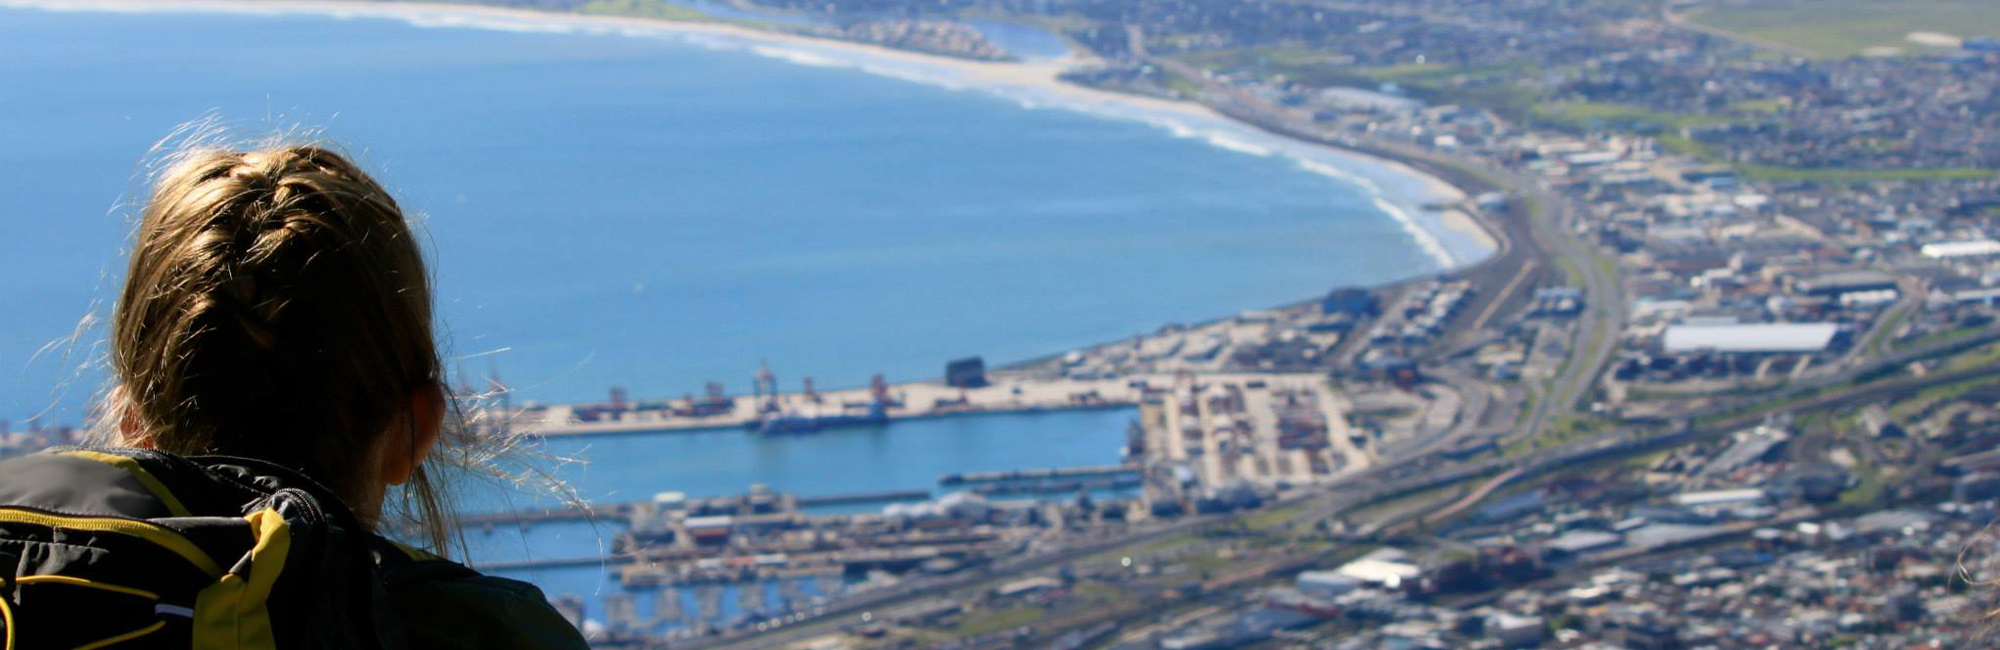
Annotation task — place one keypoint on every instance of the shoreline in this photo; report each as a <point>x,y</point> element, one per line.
<point>1033,83</point>
<point>1398,187</point>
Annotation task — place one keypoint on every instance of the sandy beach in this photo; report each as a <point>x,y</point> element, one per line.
<point>1040,75</point>
<point>1033,83</point>
<point>1464,224</point>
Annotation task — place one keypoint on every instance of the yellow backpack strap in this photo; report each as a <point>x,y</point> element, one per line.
<point>154,534</point>
<point>7,618</point>
<point>234,613</point>
<point>138,471</point>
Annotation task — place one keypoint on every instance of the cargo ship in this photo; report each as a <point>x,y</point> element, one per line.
<point>787,423</point>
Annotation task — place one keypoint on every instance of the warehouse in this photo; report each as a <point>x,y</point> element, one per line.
<point>1754,338</point>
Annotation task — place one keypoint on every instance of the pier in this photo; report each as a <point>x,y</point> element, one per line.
<point>624,512</point>
<point>1086,471</point>
<point>675,570</point>
<point>856,499</point>
<point>1058,487</point>
<point>671,569</point>
<point>603,512</point>
<point>812,410</point>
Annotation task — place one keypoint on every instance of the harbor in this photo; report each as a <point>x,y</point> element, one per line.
<point>1118,440</point>
<point>767,410</point>
<point>1199,445</point>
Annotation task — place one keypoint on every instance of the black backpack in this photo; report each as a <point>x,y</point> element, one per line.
<point>132,548</point>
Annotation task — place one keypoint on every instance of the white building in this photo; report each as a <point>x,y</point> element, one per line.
<point>1958,249</point>
<point>1749,337</point>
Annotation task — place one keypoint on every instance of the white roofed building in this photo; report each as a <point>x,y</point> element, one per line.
<point>1961,249</point>
<point>1772,338</point>
<point>1384,566</point>
<point>1719,497</point>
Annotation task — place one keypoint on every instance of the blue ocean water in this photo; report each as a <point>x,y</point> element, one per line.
<point>655,214</point>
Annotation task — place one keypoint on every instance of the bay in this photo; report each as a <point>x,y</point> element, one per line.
<point>656,214</point>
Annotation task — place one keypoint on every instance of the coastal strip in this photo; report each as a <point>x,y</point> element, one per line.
<point>851,407</point>
<point>1455,239</point>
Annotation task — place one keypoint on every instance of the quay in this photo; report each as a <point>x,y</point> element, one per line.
<point>810,410</point>
<point>605,512</point>
<point>626,512</point>
<point>1039,474</point>
<point>1058,487</point>
<point>674,569</point>
<point>670,567</point>
<point>855,499</point>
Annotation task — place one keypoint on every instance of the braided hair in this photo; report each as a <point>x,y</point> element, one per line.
<point>277,307</point>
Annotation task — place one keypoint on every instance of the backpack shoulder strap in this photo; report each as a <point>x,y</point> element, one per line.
<point>140,466</point>
<point>106,481</point>
<point>96,548</point>
<point>237,555</point>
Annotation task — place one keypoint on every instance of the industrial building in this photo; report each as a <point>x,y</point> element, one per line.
<point>1749,338</point>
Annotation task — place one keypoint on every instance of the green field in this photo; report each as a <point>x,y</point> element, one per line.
<point>994,620</point>
<point>1837,28</point>
<point>1777,173</point>
<point>1594,114</point>
<point>1430,82</point>
<point>656,9</point>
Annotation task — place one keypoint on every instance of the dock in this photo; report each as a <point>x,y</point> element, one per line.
<point>624,512</point>
<point>1058,487</point>
<point>590,513</point>
<point>910,401</point>
<point>858,499</point>
<point>1085,471</point>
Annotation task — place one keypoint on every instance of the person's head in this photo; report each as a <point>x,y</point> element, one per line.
<point>277,307</point>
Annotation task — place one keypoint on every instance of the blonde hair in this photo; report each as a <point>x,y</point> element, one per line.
<point>277,307</point>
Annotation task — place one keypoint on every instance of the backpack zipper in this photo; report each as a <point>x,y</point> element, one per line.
<point>160,535</point>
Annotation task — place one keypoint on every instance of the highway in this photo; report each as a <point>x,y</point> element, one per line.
<point>1533,238</point>
<point>1597,329</point>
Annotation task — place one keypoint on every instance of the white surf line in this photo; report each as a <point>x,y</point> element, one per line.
<point>1037,84</point>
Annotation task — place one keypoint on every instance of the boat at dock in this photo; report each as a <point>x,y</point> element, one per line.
<point>1039,474</point>
<point>1057,487</point>
<point>791,424</point>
